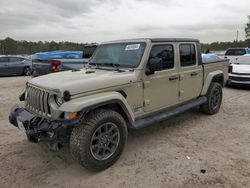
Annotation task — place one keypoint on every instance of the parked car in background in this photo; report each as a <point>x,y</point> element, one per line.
<point>57,61</point>
<point>239,73</point>
<point>15,65</point>
<point>236,54</point>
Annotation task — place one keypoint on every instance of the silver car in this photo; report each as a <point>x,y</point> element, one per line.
<point>15,65</point>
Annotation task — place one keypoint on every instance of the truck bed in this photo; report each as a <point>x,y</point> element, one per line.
<point>221,65</point>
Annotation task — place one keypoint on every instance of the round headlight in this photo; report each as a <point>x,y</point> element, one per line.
<point>58,100</point>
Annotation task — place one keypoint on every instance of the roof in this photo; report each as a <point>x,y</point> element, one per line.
<point>155,40</point>
<point>17,56</point>
<point>173,40</point>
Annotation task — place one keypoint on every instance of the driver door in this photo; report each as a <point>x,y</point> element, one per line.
<point>161,89</point>
<point>4,63</point>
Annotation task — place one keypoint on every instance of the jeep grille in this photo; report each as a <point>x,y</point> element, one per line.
<point>37,101</point>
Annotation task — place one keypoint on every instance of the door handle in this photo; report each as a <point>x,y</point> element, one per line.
<point>171,78</point>
<point>194,74</point>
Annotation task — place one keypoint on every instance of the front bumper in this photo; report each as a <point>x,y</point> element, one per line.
<point>40,129</point>
<point>239,79</point>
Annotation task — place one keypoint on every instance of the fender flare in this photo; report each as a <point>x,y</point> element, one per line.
<point>91,102</point>
<point>209,79</point>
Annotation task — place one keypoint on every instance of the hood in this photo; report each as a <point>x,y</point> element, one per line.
<point>244,60</point>
<point>84,80</point>
<point>245,69</point>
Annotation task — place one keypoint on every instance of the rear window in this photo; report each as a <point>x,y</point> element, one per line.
<point>236,52</point>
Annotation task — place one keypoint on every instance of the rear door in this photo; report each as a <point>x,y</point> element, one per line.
<point>161,88</point>
<point>191,72</point>
<point>4,65</point>
<point>15,65</point>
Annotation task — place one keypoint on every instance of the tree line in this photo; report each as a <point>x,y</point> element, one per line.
<point>11,46</point>
<point>221,46</point>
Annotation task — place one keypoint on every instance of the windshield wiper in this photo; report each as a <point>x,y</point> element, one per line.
<point>93,63</point>
<point>115,65</point>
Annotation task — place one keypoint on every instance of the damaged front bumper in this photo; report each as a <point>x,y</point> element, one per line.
<point>41,129</point>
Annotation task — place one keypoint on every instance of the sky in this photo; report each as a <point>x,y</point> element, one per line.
<point>105,20</point>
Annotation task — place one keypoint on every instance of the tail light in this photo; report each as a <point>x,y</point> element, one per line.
<point>55,65</point>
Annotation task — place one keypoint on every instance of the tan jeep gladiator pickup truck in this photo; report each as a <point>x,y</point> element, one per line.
<point>127,84</point>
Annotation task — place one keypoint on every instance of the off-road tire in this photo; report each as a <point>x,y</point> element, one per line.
<point>208,107</point>
<point>82,133</point>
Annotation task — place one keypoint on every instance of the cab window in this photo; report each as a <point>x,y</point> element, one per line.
<point>187,55</point>
<point>164,52</point>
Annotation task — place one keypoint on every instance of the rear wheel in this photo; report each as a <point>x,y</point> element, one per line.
<point>27,71</point>
<point>214,99</point>
<point>99,140</point>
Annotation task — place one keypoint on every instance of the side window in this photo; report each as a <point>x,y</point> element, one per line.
<point>187,55</point>
<point>166,53</point>
<point>3,59</point>
<point>14,59</point>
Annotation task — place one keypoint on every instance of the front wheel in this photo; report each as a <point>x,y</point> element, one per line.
<point>99,140</point>
<point>27,71</point>
<point>214,99</point>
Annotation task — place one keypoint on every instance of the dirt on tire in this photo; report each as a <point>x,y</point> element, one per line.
<point>81,136</point>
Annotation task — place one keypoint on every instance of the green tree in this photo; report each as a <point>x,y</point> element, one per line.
<point>247,29</point>
<point>9,46</point>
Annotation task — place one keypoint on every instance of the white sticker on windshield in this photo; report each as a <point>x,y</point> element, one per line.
<point>132,47</point>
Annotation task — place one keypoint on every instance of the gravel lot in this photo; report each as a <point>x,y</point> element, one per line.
<point>170,154</point>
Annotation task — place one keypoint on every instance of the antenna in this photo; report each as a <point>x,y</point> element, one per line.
<point>237,36</point>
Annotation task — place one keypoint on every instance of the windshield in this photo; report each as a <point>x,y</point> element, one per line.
<point>120,54</point>
<point>236,52</point>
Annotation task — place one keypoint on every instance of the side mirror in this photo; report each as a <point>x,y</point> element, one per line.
<point>154,64</point>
